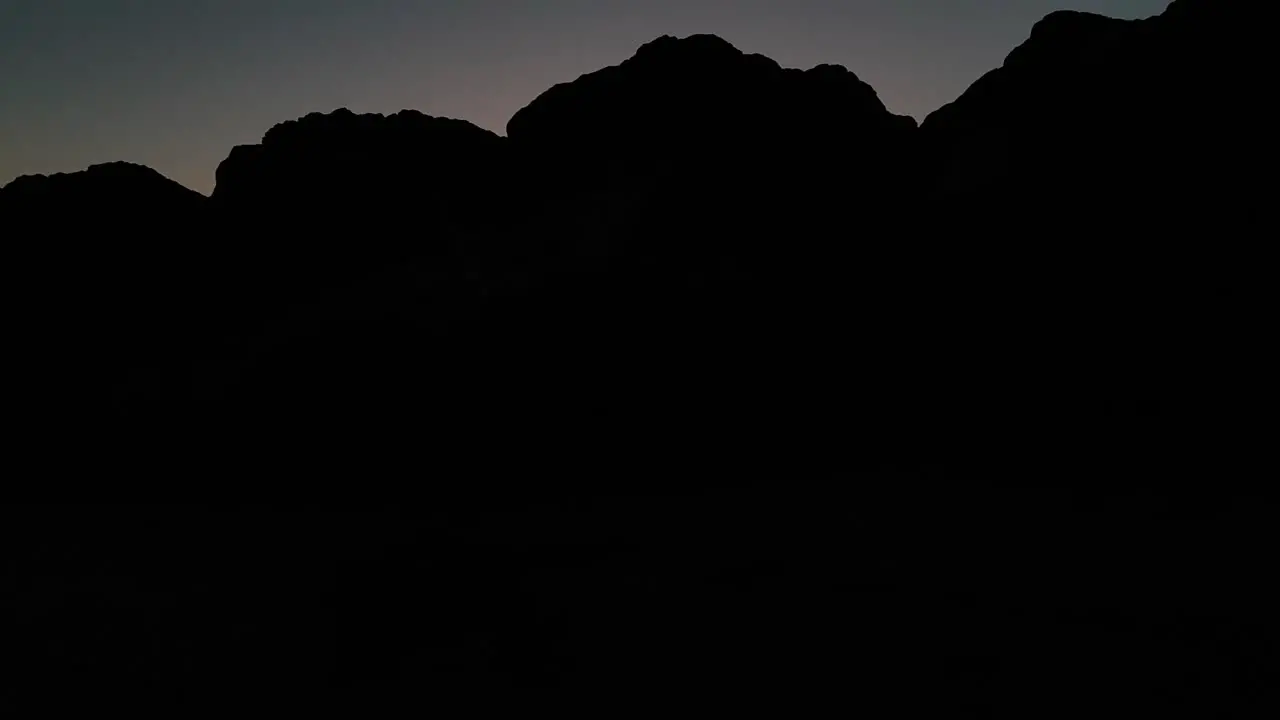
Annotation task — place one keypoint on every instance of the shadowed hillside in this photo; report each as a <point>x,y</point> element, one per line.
<point>408,277</point>
<point>343,192</point>
<point>105,266</point>
<point>1097,201</point>
<point>711,379</point>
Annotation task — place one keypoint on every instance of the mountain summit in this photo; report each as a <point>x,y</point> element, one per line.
<point>702,94</point>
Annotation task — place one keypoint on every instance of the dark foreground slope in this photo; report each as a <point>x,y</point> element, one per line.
<point>712,383</point>
<point>882,603</point>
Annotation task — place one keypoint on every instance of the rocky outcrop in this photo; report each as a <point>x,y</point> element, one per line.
<point>695,121</point>
<point>1113,142</point>
<point>1098,195</point>
<point>101,194</point>
<point>105,268</point>
<point>1034,251</point>
<point>702,94</point>
<point>1106,116</point>
<point>728,169</point>
<point>327,199</point>
<point>361,174</point>
<point>688,202</point>
<point>400,163</point>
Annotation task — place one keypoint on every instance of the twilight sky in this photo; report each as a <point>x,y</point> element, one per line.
<point>174,84</point>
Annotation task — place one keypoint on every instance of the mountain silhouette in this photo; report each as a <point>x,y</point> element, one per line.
<point>701,100</point>
<point>1095,245</point>
<point>756,242</point>
<point>710,374</point>
<point>712,145</point>
<point>120,187</point>
<point>103,261</point>
<point>359,189</point>
<point>1100,114</point>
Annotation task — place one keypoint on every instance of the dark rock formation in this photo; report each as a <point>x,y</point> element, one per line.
<point>697,221</point>
<point>330,194</point>
<point>1097,196</point>
<point>1107,115</point>
<point>387,167</point>
<point>722,149</point>
<point>685,100</point>
<point>106,264</point>
<point>838,340</point>
<point>683,204</point>
<point>120,188</point>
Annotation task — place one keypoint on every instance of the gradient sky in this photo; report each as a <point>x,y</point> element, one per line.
<point>174,84</point>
